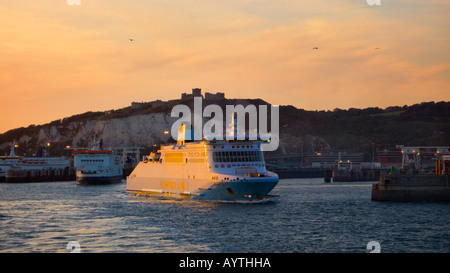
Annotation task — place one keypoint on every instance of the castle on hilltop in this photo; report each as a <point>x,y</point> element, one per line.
<point>197,92</point>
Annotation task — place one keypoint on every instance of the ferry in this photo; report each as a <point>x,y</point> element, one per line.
<point>40,168</point>
<point>6,162</point>
<point>97,166</point>
<point>224,170</point>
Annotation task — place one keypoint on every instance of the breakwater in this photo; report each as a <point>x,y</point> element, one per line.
<point>40,175</point>
<point>352,175</point>
<point>412,187</point>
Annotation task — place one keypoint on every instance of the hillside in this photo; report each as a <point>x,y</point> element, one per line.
<point>143,124</point>
<point>361,130</point>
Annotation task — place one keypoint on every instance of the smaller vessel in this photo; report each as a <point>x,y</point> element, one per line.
<point>6,162</point>
<point>40,168</point>
<point>97,166</point>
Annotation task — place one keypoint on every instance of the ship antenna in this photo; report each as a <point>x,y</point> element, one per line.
<point>13,153</point>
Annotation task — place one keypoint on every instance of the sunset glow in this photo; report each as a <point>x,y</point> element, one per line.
<point>57,60</point>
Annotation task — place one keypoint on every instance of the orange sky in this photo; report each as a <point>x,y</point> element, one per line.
<point>58,60</point>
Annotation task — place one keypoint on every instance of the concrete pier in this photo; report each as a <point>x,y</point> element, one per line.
<point>40,175</point>
<point>412,188</point>
<point>355,175</point>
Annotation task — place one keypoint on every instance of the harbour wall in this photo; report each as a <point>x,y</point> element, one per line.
<point>42,175</point>
<point>354,175</point>
<point>412,188</point>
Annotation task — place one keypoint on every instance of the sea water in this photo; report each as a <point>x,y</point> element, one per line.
<point>308,216</point>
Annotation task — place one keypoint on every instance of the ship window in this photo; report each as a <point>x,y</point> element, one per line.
<point>238,156</point>
<point>259,156</point>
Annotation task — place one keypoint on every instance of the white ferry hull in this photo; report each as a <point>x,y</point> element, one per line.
<point>223,191</point>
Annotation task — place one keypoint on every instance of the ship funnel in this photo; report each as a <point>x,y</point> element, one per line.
<point>184,134</point>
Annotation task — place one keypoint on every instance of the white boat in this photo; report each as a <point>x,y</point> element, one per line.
<point>40,169</point>
<point>6,162</point>
<point>97,166</point>
<point>226,170</point>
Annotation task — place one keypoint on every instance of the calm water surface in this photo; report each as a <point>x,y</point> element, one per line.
<point>309,216</point>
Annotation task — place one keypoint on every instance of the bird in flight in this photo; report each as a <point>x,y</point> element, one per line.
<point>131,39</point>
<point>316,47</point>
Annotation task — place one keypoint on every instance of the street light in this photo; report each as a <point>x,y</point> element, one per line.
<point>166,133</point>
<point>48,149</point>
